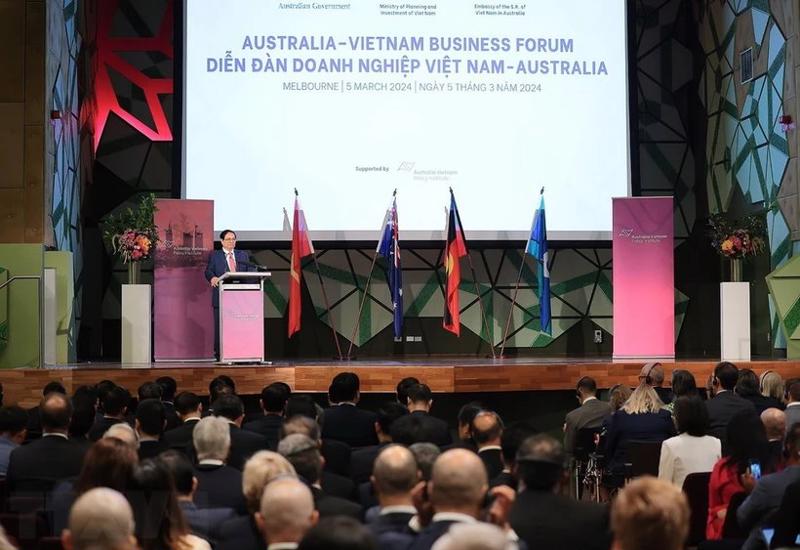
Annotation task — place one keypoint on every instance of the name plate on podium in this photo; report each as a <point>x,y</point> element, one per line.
<point>241,312</point>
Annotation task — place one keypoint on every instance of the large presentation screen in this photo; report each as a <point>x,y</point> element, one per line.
<point>348,101</point>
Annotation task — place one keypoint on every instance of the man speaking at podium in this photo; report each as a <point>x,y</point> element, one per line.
<point>221,262</point>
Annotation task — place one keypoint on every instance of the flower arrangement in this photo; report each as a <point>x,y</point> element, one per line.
<point>738,238</point>
<point>133,233</point>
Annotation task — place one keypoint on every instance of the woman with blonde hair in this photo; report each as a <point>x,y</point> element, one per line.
<point>771,385</point>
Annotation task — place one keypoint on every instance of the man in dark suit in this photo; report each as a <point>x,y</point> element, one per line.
<point>273,403</point>
<point>541,516</point>
<point>430,429</point>
<point>190,411</point>
<point>115,409</point>
<point>510,442</point>
<point>149,425</point>
<point>303,454</point>
<point>287,513</point>
<point>244,443</point>
<point>218,485</point>
<point>590,413</point>
<point>343,420</point>
<point>487,431</point>
<point>361,460</point>
<point>40,464</point>
<point>394,477</point>
<point>168,388</point>
<point>34,427</point>
<point>221,262</point>
<point>725,404</point>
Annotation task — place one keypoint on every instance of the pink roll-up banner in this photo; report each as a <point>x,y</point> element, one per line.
<point>644,278</point>
<point>242,325</point>
<point>183,319</point>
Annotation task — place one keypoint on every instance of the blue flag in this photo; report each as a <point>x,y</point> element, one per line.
<point>389,248</point>
<point>537,247</point>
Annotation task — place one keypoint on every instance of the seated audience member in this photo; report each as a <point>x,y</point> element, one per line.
<point>617,396</point>
<point>650,513</point>
<point>401,392</point>
<point>766,493</point>
<point>747,386</point>
<point>242,533</point>
<point>510,442</point>
<point>13,422</point>
<point>109,462</point>
<point>747,441</point>
<point>216,388</point>
<point>425,454</point>
<point>84,411</point>
<point>273,404</point>
<point>101,519</point>
<point>792,410</point>
<point>487,431</point>
<point>338,533</point>
<point>41,463</point>
<point>787,519</point>
<point>304,455</point>
<point>302,405</point>
<point>344,421</point>
<point>641,418</point>
<point>287,513</point>
<point>683,384</point>
<point>774,421</point>
<point>465,416</point>
<point>168,389</point>
<point>725,404</point>
<point>244,444</point>
<point>692,450</point>
<point>203,522</point>
<point>361,460</point>
<point>115,408</point>
<point>590,413</point>
<point>475,536</point>
<point>159,522</point>
<point>394,477</point>
<point>124,433</point>
<point>34,427</point>
<point>190,411</point>
<point>149,390</point>
<point>218,485</point>
<point>542,516</point>
<point>652,374</point>
<point>429,428</point>
<point>771,385</point>
<point>150,422</point>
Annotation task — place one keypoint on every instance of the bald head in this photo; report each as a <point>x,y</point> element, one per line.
<point>458,482</point>
<point>124,433</point>
<point>394,474</point>
<point>55,411</point>
<point>487,429</point>
<point>101,519</point>
<point>287,511</point>
<point>774,421</point>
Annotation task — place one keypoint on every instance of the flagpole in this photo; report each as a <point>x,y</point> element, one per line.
<point>513,303</point>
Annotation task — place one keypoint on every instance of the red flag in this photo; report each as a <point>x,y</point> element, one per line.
<point>301,247</point>
<point>455,249</point>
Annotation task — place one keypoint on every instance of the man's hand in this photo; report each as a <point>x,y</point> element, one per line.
<point>214,281</point>
<point>502,499</point>
<point>748,481</point>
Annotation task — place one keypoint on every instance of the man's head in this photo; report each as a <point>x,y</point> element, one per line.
<point>124,433</point>
<point>402,389</point>
<point>151,418</point>
<point>259,470</point>
<point>791,449</point>
<point>725,376</point>
<point>540,463</point>
<point>286,511</point>
<point>487,429</point>
<point>458,482</point>
<point>13,421</point>
<point>465,415</point>
<point>168,387</point>
<point>425,454</point>
<point>344,388</point>
<point>650,513</point>
<point>652,374</point>
<point>303,454</point>
<point>55,411</point>
<point>301,405</point>
<point>150,390</point>
<point>793,390</point>
<point>774,421</point>
<point>221,385</point>
<point>182,473</point>
<point>420,398</point>
<point>228,239</point>
<point>512,438</point>
<point>273,398</point>
<point>115,402</point>
<point>188,405</point>
<point>387,414</point>
<point>212,438</point>
<point>300,424</point>
<point>54,387</point>
<point>586,387</point>
<point>230,407</point>
<point>394,475</point>
<point>100,519</point>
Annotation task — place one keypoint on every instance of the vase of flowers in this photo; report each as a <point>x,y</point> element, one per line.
<point>133,235</point>
<point>737,240</point>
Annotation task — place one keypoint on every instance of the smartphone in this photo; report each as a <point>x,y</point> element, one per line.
<point>755,469</point>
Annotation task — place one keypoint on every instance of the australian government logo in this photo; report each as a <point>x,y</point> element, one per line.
<point>427,174</point>
<point>639,237</point>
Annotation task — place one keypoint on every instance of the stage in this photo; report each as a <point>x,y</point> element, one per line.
<point>443,375</point>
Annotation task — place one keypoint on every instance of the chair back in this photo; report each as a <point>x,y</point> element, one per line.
<point>695,486</point>
<point>25,529</point>
<point>731,529</point>
<point>585,443</point>
<point>644,457</point>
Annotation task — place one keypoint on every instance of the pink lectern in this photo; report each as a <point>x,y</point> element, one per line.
<point>241,317</point>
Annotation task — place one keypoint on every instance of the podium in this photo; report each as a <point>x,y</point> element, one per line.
<point>241,317</point>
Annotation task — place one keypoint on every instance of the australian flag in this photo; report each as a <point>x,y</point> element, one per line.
<point>389,248</point>
<point>537,247</point>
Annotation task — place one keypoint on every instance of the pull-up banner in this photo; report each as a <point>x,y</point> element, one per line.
<point>183,318</point>
<point>644,279</point>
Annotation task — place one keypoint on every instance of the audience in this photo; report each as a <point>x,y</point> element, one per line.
<point>101,519</point>
<point>692,450</point>
<point>13,422</point>
<point>541,515</point>
<point>771,385</point>
<point>124,433</point>
<point>652,374</point>
<point>487,431</point>
<point>683,384</point>
<point>273,404</point>
<point>168,389</point>
<point>402,389</point>
<point>344,421</point>
<point>590,413</point>
<point>394,477</point>
<point>286,513</point>
<point>190,411</point>
<point>774,421</point>
<point>650,514</point>
<point>150,422</point>
<point>244,443</point>
<point>361,460</point>
<point>338,533</point>
<point>114,410</point>
<point>426,428</point>
<point>218,485</point>
<point>510,442</point>
<point>425,454</point>
<point>724,404</point>
<point>792,402</point>
<point>84,411</point>
<point>465,416</point>
<point>34,427</point>
<point>617,396</point>
<point>747,386</point>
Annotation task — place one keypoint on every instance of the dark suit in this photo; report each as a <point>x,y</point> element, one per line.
<point>503,478</point>
<point>721,409</point>
<point>392,531</point>
<point>787,520</point>
<point>219,487</point>
<point>589,415</point>
<point>436,429</point>
<point>217,267</point>
<point>206,522</point>
<point>349,424</point>
<point>766,497</point>
<point>151,449</point>
<point>338,486</point>
<point>101,426</point>
<point>493,461</point>
<point>268,426</point>
<point>244,444</point>
<point>762,402</point>
<point>180,438</point>
<point>362,460</point>
<point>625,427</point>
<point>547,521</point>
<point>329,505</point>
<point>337,456</point>
<point>41,463</point>
<point>173,420</point>
<point>240,534</point>
<point>428,536</point>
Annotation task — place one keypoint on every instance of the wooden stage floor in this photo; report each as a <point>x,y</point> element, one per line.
<point>446,375</point>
